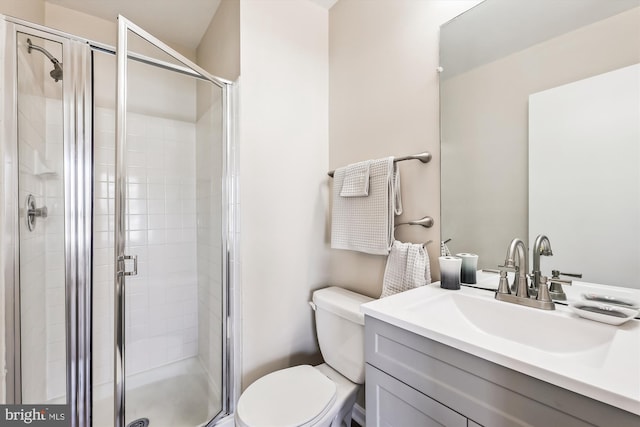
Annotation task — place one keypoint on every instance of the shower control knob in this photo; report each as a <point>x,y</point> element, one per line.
<point>42,212</point>
<point>32,212</point>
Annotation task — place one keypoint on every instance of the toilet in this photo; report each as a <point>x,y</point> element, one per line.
<point>319,396</point>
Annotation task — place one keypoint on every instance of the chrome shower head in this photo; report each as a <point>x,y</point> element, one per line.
<point>56,73</point>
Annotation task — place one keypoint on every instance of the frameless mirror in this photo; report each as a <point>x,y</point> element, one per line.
<point>540,134</point>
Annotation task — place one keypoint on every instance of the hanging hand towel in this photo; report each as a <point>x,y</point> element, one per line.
<point>356,180</point>
<point>407,268</point>
<point>365,224</point>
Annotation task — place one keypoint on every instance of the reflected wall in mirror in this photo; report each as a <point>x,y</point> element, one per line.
<point>494,57</point>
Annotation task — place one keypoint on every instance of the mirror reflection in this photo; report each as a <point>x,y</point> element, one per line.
<point>540,134</point>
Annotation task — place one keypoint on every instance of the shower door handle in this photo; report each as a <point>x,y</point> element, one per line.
<point>123,271</point>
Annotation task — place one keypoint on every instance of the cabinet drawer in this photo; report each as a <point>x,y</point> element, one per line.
<point>392,403</point>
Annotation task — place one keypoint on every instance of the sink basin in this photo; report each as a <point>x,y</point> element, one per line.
<point>539,329</point>
<point>590,358</point>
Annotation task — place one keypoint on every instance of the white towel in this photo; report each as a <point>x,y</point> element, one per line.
<point>365,224</point>
<point>356,180</point>
<point>407,268</point>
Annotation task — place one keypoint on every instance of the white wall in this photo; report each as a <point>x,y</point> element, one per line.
<point>29,10</point>
<point>219,49</point>
<point>384,101</point>
<point>283,149</point>
<point>576,131</point>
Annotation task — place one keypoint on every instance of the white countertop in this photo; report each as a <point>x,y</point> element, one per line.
<point>594,359</point>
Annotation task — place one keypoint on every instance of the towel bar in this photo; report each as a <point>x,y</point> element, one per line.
<point>426,222</point>
<point>424,157</point>
<point>424,245</point>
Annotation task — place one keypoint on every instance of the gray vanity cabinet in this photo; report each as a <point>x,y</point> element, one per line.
<point>415,381</point>
<point>397,404</point>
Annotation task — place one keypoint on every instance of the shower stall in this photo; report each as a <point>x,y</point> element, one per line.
<point>114,229</point>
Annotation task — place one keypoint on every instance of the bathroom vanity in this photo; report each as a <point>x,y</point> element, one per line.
<point>461,358</point>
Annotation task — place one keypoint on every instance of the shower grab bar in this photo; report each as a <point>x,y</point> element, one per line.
<point>424,157</point>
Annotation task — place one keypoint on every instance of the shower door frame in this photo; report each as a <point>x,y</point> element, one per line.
<point>190,68</point>
<point>77,184</point>
<point>79,394</point>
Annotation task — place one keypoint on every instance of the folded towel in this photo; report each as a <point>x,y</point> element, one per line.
<point>356,180</point>
<point>407,268</point>
<point>365,224</point>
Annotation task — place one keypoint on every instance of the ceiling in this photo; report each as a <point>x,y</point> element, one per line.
<point>325,3</point>
<point>183,22</point>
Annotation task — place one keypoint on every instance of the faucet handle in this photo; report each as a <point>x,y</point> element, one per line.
<point>503,284</point>
<point>557,281</point>
<point>555,284</point>
<point>508,267</point>
<point>557,273</point>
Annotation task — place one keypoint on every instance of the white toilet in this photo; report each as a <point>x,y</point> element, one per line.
<point>322,395</point>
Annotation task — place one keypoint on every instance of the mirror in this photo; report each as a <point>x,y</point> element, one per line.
<point>513,164</point>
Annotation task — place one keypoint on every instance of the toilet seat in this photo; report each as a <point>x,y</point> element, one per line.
<point>292,397</point>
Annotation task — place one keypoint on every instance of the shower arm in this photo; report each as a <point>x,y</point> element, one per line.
<point>43,50</point>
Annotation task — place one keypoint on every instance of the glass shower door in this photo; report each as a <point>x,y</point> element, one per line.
<point>41,226</point>
<point>46,205</point>
<point>170,238</point>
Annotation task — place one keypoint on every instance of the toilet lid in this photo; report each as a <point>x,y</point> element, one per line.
<point>291,397</point>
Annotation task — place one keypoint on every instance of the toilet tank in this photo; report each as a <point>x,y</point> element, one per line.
<point>340,330</point>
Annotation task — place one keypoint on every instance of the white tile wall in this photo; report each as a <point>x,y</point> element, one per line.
<point>41,250</point>
<point>54,252</point>
<point>31,129</point>
<point>2,267</point>
<point>161,310</point>
<point>34,311</point>
<point>209,141</point>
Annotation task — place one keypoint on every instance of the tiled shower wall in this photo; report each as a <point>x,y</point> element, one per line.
<point>32,124</point>
<point>54,251</point>
<point>161,310</point>
<point>209,140</point>
<point>41,250</point>
<point>3,375</point>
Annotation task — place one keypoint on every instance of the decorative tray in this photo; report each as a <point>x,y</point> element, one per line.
<point>601,312</point>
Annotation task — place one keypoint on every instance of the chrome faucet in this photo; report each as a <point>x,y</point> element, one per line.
<point>518,252</point>
<point>542,246</point>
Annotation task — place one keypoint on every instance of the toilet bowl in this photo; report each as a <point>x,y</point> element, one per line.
<point>319,396</point>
